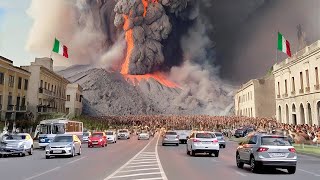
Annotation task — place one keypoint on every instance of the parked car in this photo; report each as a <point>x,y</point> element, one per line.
<point>16,144</point>
<point>63,145</point>
<point>263,150</point>
<point>144,135</point>
<point>170,137</point>
<point>240,133</point>
<point>203,142</point>
<point>97,139</point>
<point>86,136</point>
<point>221,140</point>
<point>123,134</point>
<point>111,136</point>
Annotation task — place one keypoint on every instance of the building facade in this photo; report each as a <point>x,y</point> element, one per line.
<point>14,86</point>
<point>74,100</point>
<point>47,92</point>
<point>297,87</point>
<point>256,98</point>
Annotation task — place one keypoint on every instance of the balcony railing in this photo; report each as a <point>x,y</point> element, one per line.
<point>10,107</point>
<point>278,96</point>
<point>293,93</point>
<point>285,95</point>
<point>23,108</point>
<point>301,91</point>
<point>307,89</point>
<point>317,87</point>
<point>40,90</point>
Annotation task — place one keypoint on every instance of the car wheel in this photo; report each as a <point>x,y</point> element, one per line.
<point>21,154</point>
<point>253,165</point>
<point>79,153</point>
<point>73,152</point>
<point>238,160</point>
<point>188,152</point>
<point>224,146</point>
<point>47,157</point>
<point>177,144</point>
<point>193,153</point>
<point>31,150</point>
<point>216,154</point>
<point>163,144</point>
<point>292,170</point>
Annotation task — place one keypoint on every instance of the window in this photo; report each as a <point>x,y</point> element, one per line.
<point>45,85</point>
<point>26,84</point>
<point>41,83</point>
<point>279,88</point>
<point>23,102</point>
<point>317,75</point>
<point>253,140</point>
<point>204,135</point>
<point>1,78</point>
<point>80,98</point>
<point>0,101</point>
<point>307,78</point>
<point>293,85</point>
<point>301,80</point>
<point>68,97</point>
<point>285,86</point>
<point>18,102</point>
<point>19,83</point>
<point>275,141</point>
<point>11,81</point>
<point>9,100</point>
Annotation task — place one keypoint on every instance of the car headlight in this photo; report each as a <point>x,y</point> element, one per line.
<point>48,147</point>
<point>100,140</point>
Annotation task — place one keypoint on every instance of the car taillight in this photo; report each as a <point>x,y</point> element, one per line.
<point>196,140</point>
<point>215,141</point>
<point>262,149</point>
<point>293,150</point>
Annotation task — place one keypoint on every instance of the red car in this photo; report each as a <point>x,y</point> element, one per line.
<point>97,139</point>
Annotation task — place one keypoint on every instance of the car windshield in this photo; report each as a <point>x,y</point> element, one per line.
<point>275,141</point>
<point>123,131</point>
<point>109,133</point>
<point>62,139</point>
<point>86,134</point>
<point>204,135</point>
<point>14,137</point>
<point>97,135</point>
<point>171,133</point>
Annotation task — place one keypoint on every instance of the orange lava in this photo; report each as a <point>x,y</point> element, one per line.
<point>145,6</point>
<point>130,46</point>
<point>158,76</point>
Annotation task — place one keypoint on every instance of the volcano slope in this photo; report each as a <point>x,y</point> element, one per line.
<point>108,93</point>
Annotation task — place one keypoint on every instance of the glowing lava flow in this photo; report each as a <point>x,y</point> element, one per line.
<point>135,79</point>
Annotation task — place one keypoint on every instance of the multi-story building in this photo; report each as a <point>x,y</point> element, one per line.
<point>74,100</point>
<point>256,98</point>
<point>14,85</point>
<point>297,87</point>
<point>47,92</point>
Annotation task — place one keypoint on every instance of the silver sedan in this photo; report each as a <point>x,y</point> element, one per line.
<point>64,145</point>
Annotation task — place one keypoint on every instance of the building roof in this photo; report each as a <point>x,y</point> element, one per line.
<point>11,63</point>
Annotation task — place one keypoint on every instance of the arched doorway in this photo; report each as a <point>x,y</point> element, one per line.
<point>287,114</point>
<point>309,114</point>
<point>302,115</point>
<point>294,115</point>
<point>279,114</point>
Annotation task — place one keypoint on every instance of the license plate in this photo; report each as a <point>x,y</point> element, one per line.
<point>206,142</point>
<point>56,151</point>
<point>277,154</point>
<point>95,143</point>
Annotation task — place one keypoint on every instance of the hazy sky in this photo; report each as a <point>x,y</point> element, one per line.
<point>14,28</point>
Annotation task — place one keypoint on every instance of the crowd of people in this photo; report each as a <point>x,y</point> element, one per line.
<point>300,133</point>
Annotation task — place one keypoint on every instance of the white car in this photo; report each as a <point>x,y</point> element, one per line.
<point>203,142</point>
<point>17,144</point>
<point>111,136</point>
<point>144,135</point>
<point>123,134</point>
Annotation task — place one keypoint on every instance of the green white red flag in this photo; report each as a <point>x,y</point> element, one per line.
<point>59,48</point>
<point>283,45</point>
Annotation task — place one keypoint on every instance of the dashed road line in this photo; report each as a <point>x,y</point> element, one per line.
<point>308,172</point>
<point>145,165</point>
<point>40,174</point>
<point>76,160</point>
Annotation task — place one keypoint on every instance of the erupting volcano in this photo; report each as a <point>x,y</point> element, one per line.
<point>132,28</point>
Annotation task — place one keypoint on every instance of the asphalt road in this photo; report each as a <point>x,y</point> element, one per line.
<point>144,160</point>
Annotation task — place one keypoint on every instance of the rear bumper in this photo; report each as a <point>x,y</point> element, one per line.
<point>222,143</point>
<point>205,150</point>
<point>169,141</point>
<point>144,137</point>
<point>277,163</point>
<point>99,144</point>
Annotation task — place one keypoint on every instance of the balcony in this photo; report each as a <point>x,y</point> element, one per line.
<point>307,89</point>
<point>293,93</point>
<point>0,106</point>
<point>10,107</point>
<point>23,108</point>
<point>317,87</point>
<point>285,95</point>
<point>301,91</point>
<point>47,92</point>
<point>278,96</point>
<point>40,90</point>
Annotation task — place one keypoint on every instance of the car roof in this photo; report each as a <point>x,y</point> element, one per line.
<point>203,132</point>
<point>23,134</point>
<point>64,135</point>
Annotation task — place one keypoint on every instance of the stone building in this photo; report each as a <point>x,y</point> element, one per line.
<point>74,100</point>
<point>297,87</point>
<point>256,98</point>
<point>14,88</point>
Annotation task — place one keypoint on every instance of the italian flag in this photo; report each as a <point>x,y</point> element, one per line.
<point>60,48</point>
<point>283,45</point>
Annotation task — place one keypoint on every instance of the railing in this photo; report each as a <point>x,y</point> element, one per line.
<point>293,93</point>
<point>307,89</point>
<point>40,90</point>
<point>317,87</point>
<point>301,91</point>
<point>23,108</point>
<point>10,107</point>
<point>47,92</point>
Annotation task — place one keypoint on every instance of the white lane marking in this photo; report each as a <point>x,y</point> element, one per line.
<point>241,174</point>
<point>123,166</point>
<point>37,175</point>
<point>309,172</point>
<point>154,161</point>
<point>148,169</point>
<point>150,178</point>
<point>163,174</point>
<point>138,160</point>
<point>76,160</point>
<point>146,165</point>
<point>138,174</point>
